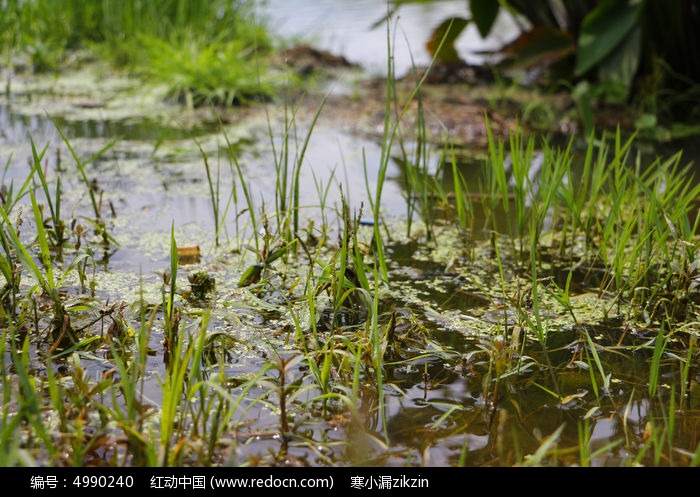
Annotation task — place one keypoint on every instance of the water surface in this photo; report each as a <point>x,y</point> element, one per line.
<point>356,29</point>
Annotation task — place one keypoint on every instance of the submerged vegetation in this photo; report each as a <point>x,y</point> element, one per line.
<point>543,312</point>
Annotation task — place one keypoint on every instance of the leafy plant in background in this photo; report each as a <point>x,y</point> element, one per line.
<point>213,52</point>
<point>610,50</point>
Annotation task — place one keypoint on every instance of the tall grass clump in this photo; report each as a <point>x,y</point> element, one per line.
<point>632,225</point>
<point>65,25</point>
<point>289,158</point>
<point>204,52</point>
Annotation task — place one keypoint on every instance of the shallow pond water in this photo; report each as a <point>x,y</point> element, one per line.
<point>356,30</point>
<point>443,403</point>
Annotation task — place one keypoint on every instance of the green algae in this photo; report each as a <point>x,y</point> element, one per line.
<point>462,354</point>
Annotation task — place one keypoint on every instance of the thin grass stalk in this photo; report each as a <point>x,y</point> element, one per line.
<point>342,257</point>
<point>287,184</point>
<point>322,193</point>
<point>170,313</point>
<point>48,282</point>
<point>574,192</point>
<point>522,185</point>
<point>606,377</point>
<point>670,419</point>
<point>235,402</point>
<point>29,401</point>
<point>45,279</point>
<point>537,325</point>
<point>360,267</point>
<point>686,368</point>
<point>584,441</point>
<point>625,416</point>
<point>10,420</point>
<point>463,206</point>
<point>250,205</point>
<point>53,201</point>
<point>282,171</point>
<point>312,288</point>
<point>543,206</point>
<point>618,246</point>
<point>128,412</point>
<point>99,222</point>
<point>389,134</point>
<point>496,182</point>
<point>586,455</point>
<point>378,344</point>
<point>10,198</point>
<point>672,198</point>
<point>198,401</point>
<point>214,186</point>
<point>655,369</point>
<point>599,173</point>
<point>298,164</point>
<point>352,271</point>
<point>12,274</point>
<point>416,174</point>
<point>57,396</point>
<point>173,387</point>
<point>320,374</point>
<point>653,222</point>
<point>549,443</point>
<point>237,172</point>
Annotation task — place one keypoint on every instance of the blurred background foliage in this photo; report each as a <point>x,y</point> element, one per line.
<point>631,52</point>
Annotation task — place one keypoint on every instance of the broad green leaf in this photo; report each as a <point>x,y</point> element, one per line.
<point>251,275</point>
<point>604,29</point>
<point>484,13</point>
<point>621,66</point>
<point>441,43</point>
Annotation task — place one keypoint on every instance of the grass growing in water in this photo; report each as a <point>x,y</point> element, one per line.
<point>337,339</point>
<point>213,52</point>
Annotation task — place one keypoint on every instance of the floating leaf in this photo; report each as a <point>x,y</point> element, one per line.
<point>188,254</point>
<point>574,396</point>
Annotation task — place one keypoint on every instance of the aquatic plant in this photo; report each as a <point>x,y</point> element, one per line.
<point>584,43</point>
<point>347,340</point>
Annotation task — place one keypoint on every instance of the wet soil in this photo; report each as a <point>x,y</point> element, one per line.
<point>454,101</point>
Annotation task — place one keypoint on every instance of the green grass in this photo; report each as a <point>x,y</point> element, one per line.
<point>203,52</point>
<point>334,338</point>
<point>332,362</point>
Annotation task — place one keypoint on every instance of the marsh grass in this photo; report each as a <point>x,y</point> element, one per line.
<point>199,71</point>
<point>336,331</point>
<point>57,232</point>
<point>202,52</point>
<point>333,360</point>
<point>214,194</point>
<point>28,398</point>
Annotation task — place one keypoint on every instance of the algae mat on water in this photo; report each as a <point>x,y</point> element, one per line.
<point>562,335</point>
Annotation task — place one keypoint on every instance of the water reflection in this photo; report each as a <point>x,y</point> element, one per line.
<point>355,29</point>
